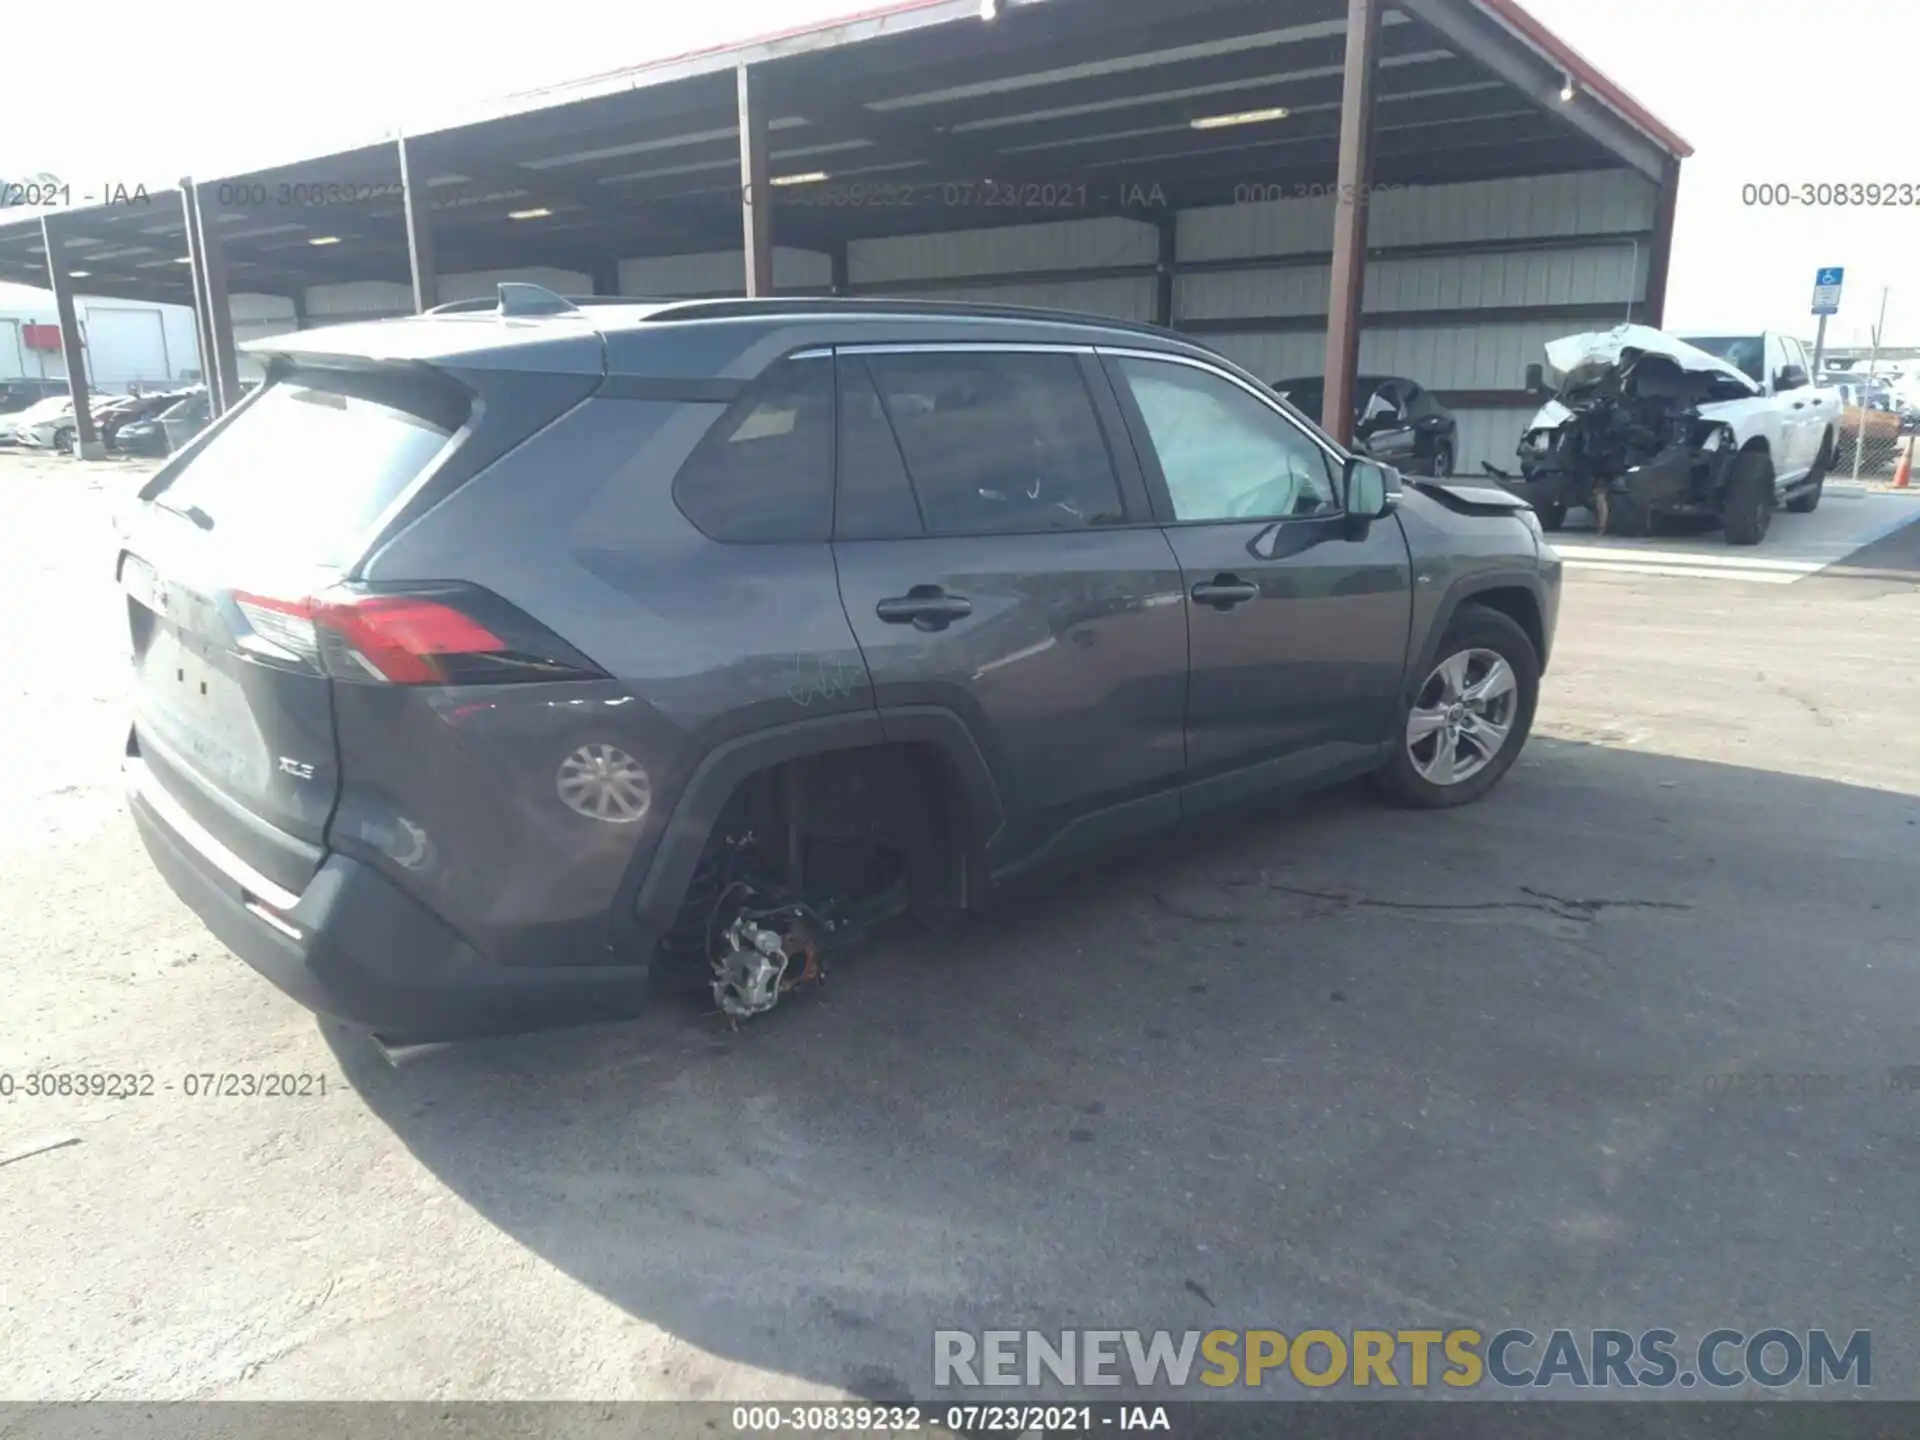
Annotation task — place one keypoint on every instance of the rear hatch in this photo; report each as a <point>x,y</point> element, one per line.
<point>233,715</point>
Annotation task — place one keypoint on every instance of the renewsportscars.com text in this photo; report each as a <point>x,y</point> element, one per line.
<point>1511,1359</point>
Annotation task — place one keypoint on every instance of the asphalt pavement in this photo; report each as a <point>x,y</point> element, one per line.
<point>1622,1046</point>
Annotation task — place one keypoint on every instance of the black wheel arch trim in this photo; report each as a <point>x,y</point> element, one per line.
<point>676,854</point>
<point>1462,592</point>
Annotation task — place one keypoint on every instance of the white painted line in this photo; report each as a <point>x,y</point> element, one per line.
<point>1682,572</point>
<point>1699,559</point>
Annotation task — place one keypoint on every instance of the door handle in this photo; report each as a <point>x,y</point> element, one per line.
<point>925,607</point>
<point>1223,592</point>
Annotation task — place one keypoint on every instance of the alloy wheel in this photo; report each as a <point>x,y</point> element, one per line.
<point>1462,716</point>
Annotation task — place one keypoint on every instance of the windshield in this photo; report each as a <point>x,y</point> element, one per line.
<point>1746,353</point>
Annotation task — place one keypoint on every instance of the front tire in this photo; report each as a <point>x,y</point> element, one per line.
<point>1553,518</point>
<point>1442,466</point>
<point>1747,511</point>
<point>1464,726</point>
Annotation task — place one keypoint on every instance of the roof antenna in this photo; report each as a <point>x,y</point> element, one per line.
<point>518,297</point>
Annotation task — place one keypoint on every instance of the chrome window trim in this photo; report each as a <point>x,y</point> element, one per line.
<point>966,347</point>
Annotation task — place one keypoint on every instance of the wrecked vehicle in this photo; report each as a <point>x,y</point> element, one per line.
<point>1644,426</point>
<point>497,665</point>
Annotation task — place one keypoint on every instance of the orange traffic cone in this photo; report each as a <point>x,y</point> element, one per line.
<point>1903,472</point>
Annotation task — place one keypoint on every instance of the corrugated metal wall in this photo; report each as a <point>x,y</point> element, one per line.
<point>1576,241</point>
<point>721,272</point>
<point>1459,277</point>
<point>918,264</point>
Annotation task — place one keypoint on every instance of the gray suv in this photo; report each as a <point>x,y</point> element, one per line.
<point>491,661</point>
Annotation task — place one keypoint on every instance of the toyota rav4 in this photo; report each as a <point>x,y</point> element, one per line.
<point>490,661</point>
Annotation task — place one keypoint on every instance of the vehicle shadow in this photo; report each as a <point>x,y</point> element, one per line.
<point>1335,1066</point>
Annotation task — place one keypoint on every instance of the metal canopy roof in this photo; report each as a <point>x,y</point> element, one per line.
<point>925,116</point>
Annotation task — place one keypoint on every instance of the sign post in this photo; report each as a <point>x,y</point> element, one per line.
<point>1826,301</point>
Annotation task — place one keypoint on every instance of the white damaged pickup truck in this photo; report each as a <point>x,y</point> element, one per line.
<point>1643,426</point>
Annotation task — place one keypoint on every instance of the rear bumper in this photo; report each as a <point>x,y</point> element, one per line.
<point>354,946</point>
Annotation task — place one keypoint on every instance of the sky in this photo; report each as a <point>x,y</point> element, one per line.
<point>1756,86</point>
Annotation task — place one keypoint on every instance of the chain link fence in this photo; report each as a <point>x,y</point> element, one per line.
<point>1867,440</point>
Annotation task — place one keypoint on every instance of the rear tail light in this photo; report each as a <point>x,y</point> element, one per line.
<point>443,634</point>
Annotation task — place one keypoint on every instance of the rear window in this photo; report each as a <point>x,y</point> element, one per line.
<point>305,471</point>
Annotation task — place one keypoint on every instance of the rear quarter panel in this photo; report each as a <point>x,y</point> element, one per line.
<point>703,643</point>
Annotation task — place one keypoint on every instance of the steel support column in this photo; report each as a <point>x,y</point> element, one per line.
<point>202,336</point>
<point>86,441</point>
<point>837,263</point>
<point>756,193</point>
<point>222,370</point>
<point>419,208</point>
<point>606,277</point>
<point>1660,253</point>
<point>1349,280</point>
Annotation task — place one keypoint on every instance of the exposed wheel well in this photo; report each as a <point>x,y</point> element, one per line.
<point>818,821</point>
<point>821,847</point>
<point>1518,604</point>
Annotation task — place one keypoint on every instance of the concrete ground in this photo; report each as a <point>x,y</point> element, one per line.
<point>1523,1064</point>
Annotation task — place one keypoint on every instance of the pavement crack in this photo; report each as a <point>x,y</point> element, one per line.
<point>1594,907</point>
<point>1560,907</point>
<point>39,1148</point>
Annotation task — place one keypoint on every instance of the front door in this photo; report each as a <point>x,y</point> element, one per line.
<point>993,568</point>
<point>1298,622</point>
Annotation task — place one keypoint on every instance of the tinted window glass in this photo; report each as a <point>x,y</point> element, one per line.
<point>999,443</point>
<point>306,470</point>
<point>764,472</point>
<point>1225,454</point>
<point>873,501</point>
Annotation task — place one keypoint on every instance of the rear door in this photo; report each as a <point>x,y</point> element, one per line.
<point>231,728</point>
<point>1299,622</point>
<point>997,562</point>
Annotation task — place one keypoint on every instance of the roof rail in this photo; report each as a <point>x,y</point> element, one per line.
<point>812,305</point>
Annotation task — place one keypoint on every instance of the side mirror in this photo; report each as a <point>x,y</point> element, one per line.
<point>1367,488</point>
<point>1791,377</point>
<point>1537,382</point>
